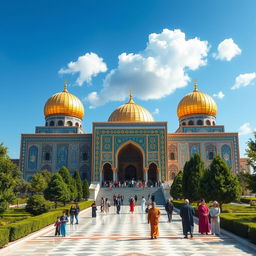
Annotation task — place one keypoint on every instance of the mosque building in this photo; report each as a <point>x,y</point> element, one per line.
<point>130,145</point>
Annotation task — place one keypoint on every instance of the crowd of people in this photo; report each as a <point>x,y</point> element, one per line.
<point>130,184</point>
<point>209,218</point>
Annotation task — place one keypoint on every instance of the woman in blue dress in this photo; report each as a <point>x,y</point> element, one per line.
<point>64,220</point>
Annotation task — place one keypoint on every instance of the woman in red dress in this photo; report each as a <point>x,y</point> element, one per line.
<point>203,212</point>
<point>132,205</point>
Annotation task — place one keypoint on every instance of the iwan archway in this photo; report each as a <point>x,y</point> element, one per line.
<point>130,163</point>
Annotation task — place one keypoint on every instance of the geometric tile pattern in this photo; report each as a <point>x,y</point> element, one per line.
<point>126,234</point>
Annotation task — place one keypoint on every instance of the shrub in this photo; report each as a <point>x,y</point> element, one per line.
<point>37,205</point>
<point>4,237</point>
<point>3,206</point>
<point>252,233</point>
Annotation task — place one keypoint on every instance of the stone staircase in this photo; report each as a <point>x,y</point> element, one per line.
<point>131,192</point>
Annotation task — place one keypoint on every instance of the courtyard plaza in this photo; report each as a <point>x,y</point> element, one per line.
<point>122,235</point>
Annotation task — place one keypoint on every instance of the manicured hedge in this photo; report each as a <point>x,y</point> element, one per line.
<point>22,228</point>
<point>252,233</point>
<point>247,200</point>
<point>4,236</point>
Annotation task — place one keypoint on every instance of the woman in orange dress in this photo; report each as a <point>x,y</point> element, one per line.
<point>153,219</point>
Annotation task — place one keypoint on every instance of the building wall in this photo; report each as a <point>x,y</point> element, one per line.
<point>52,151</point>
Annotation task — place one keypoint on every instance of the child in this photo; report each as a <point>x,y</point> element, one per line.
<point>57,225</point>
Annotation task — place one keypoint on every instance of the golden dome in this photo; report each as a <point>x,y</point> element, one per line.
<point>64,103</point>
<point>130,112</point>
<point>196,103</point>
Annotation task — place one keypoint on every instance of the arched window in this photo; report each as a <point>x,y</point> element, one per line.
<point>190,122</point>
<point>77,124</point>
<point>46,123</point>
<point>52,123</point>
<point>210,155</point>
<point>208,122</point>
<point>83,153</point>
<point>199,122</point>
<point>69,123</point>
<point>183,123</point>
<point>213,123</point>
<point>60,123</point>
<point>172,156</point>
<point>84,156</point>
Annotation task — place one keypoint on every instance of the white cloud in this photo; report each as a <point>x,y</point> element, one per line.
<point>227,50</point>
<point>245,129</point>
<point>219,95</point>
<point>156,71</point>
<point>244,80</point>
<point>156,111</point>
<point>87,66</point>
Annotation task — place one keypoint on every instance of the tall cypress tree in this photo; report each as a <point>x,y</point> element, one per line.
<point>79,185</point>
<point>176,188</point>
<point>67,178</point>
<point>219,183</point>
<point>57,190</point>
<point>192,175</point>
<point>86,191</point>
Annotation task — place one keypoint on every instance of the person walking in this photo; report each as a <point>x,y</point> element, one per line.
<point>102,205</point>
<point>215,218</point>
<point>169,209</point>
<point>143,204</point>
<point>153,220</point>
<point>203,212</point>
<point>122,200</point>
<point>106,206</point>
<point>118,205</point>
<point>187,215</point>
<point>152,198</point>
<point>94,209</point>
<point>77,212</point>
<point>64,221</point>
<point>135,198</point>
<point>132,205</point>
<point>72,213</point>
<point>57,225</point>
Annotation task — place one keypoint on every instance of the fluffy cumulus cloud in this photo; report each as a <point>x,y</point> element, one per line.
<point>86,66</point>
<point>156,111</point>
<point>227,50</point>
<point>244,80</point>
<point>245,129</point>
<point>156,71</point>
<point>219,95</point>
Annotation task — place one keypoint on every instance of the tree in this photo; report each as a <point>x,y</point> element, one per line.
<point>65,174</point>
<point>79,185</point>
<point>252,183</point>
<point>251,152</point>
<point>176,188</point>
<point>37,204</point>
<point>47,175</point>
<point>57,190</point>
<point>219,183</point>
<point>244,181</point>
<point>192,175</point>
<point>9,173</point>
<point>86,191</point>
<point>38,183</point>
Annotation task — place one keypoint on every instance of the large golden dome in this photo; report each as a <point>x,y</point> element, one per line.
<point>64,103</point>
<point>130,112</point>
<point>196,103</point>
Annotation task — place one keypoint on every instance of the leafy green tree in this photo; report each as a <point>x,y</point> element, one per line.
<point>219,183</point>
<point>176,188</point>
<point>192,175</point>
<point>65,174</point>
<point>244,181</point>
<point>57,190</point>
<point>79,185</point>
<point>252,183</point>
<point>86,191</point>
<point>47,175</point>
<point>9,174</point>
<point>251,152</point>
<point>38,183</point>
<point>37,204</point>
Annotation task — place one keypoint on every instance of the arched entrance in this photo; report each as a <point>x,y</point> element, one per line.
<point>130,163</point>
<point>107,173</point>
<point>152,174</point>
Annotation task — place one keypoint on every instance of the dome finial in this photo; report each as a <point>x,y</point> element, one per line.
<point>195,86</point>
<point>65,86</point>
<point>131,100</point>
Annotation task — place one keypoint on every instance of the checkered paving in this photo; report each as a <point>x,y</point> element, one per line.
<point>126,234</point>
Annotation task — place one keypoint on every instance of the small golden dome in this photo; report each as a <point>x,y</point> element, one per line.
<point>196,103</point>
<point>64,103</point>
<point>130,112</point>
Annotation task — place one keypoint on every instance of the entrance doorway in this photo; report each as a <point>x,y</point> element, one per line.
<point>152,174</point>
<point>130,163</point>
<point>107,173</point>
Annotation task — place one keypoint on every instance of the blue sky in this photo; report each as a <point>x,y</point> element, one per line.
<point>40,38</point>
